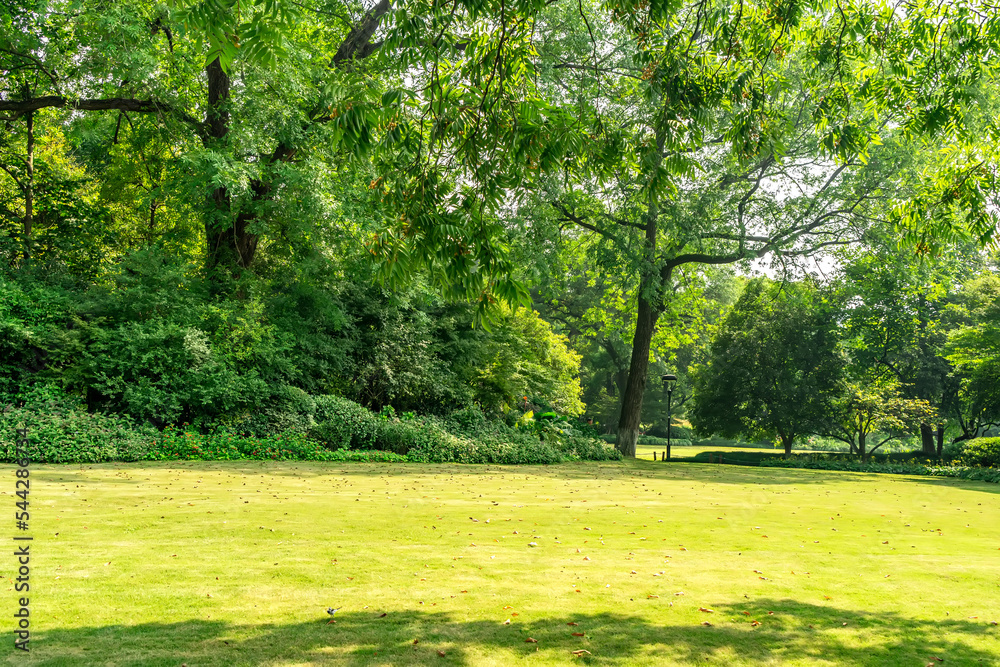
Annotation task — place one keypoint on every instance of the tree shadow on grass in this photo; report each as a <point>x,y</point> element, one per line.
<point>792,631</point>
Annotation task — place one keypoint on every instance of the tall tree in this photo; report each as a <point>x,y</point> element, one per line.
<point>774,369</point>
<point>781,118</point>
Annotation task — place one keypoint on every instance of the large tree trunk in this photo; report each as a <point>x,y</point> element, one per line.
<point>631,413</point>
<point>940,440</point>
<point>230,247</point>
<point>863,446</point>
<point>927,440</point>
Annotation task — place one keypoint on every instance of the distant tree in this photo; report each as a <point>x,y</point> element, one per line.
<point>773,370</point>
<point>974,351</point>
<point>875,409</point>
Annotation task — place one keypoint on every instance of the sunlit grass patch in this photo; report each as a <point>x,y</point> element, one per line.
<point>235,564</point>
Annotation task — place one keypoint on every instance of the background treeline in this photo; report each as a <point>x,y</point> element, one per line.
<point>472,228</point>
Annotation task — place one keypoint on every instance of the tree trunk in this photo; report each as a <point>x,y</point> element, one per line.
<point>29,187</point>
<point>645,325</point>
<point>786,443</point>
<point>631,413</point>
<point>940,440</point>
<point>862,446</point>
<point>927,439</point>
<point>230,247</point>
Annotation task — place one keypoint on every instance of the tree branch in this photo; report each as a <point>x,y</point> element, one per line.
<point>357,45</point>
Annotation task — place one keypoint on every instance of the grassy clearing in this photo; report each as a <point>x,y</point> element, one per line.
<point>234,563</point>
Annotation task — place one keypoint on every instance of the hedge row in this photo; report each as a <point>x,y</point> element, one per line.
<point>908,468</point>
<point>62,432</point>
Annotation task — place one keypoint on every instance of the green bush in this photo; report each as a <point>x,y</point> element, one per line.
<point>164,372</point>
<point>287,409</point>
<point>452,449</point>
<point>926,467</point>
<point>984,452</point>
<point>588,449</point>
<point>748,457</point>
<point>423,434</point>
<point>341,423</point>
<point>222,445</point>
<point>60,430</point>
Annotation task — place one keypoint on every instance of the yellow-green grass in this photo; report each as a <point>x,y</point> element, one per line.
<point>646,451</point>
<point>234,564</point>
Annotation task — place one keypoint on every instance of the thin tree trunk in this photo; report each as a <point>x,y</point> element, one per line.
<point>29,188</point>
<point>940,440</point>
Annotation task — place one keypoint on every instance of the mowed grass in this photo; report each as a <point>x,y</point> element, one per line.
<point>645,452</point>
<point>234,564</point>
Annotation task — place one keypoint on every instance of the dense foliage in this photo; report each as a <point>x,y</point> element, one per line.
<point>226,223</point>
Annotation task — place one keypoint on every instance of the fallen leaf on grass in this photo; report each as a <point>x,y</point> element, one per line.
<point>578,634</point>
<point>507,622</point>
<point>706,623</point>
<point>572,623</point>
<point>651,597</point>
<point>416,641</point>
<point>383,615</point>
<point>706,609</point>
<point>441,653</point>
<point>582,652</point>
<point>934,657</point>
<point>755,623</point>
<point>530,640</point>
<point>746,613</point>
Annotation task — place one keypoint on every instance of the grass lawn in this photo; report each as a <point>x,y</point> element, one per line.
<point>234,564</point>
<point>646,451</point>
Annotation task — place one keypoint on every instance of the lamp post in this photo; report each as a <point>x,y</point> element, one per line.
<point>668,382</point>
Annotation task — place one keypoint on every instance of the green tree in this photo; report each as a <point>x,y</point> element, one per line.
<point>875,408</point>
<point>774,370</point>
<point>973,348</point>
<point>745,135</point>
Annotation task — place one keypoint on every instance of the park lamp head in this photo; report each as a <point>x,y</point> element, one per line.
<point>669,378</point>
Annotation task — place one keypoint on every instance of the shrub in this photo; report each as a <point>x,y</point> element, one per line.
<point>222,445</point>
<point>165,372</point>
<point>926,467</point>
<point>984,452</point>
<point>451,449</point>
<point>402,437</point>
<point>287,409</point>
<point>60,430</point>
<point>588,449</point>
<point>341,423</point>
